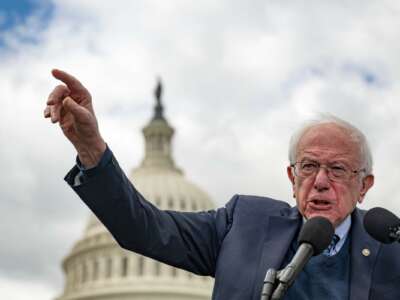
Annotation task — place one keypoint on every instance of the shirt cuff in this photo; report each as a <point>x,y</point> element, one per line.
<point>85,173</point>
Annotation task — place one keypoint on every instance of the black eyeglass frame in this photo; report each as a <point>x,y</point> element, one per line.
<point>329,172</point>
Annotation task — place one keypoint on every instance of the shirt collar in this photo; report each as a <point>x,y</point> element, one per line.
<point>341,231</point>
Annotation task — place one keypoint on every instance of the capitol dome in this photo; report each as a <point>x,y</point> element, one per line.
<point>97,268</point>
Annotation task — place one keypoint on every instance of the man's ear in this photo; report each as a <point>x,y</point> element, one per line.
<point>367,183</point>
<point>290,174</point>
<point>291,177</point>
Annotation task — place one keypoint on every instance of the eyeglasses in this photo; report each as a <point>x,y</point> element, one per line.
<point>335,172</point>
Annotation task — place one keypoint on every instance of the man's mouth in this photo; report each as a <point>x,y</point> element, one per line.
<point>320,204</point>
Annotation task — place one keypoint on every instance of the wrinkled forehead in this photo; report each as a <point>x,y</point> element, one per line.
<point>330,139</point>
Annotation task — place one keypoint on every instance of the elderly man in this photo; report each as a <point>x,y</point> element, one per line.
<point>330,171</point>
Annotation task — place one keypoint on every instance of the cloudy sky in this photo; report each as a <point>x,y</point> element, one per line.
<point>239,78</point>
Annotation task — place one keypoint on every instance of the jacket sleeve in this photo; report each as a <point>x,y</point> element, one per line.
<point>187,240</point>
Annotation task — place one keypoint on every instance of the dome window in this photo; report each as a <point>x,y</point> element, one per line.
<point>95,270</point>
<point>108,267</point>
<point>124,267</point>
<point>170,203</point>
<point>183,204</point>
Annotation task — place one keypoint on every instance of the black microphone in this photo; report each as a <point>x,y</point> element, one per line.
<point>315,236</point>
<point>382,225</point>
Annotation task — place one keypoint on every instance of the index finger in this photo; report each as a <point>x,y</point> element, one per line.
<point>73,84</point>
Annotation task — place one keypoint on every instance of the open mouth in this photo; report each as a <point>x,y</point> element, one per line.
<point>320,202</point>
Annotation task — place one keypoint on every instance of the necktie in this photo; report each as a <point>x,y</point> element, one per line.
<point>331,250</point>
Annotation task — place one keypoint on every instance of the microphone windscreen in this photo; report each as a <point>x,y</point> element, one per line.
<point>318,232</point>
<point>377,222</point>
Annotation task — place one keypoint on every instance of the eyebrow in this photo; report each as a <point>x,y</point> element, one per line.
<point>330,162</point>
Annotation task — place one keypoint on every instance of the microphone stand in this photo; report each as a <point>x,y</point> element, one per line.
<point>276,283</point>
<point>269,284</point>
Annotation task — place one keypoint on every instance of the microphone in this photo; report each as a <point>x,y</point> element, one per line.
<point>382,225</point>
<point>314,237</point>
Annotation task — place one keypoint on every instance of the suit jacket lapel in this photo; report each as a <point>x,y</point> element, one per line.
<point>364,251</point>
<point>279,232</point>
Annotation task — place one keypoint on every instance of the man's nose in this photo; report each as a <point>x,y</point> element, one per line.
<point>322,181</point>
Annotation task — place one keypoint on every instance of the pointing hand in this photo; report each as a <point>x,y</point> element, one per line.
<point>70,104</point>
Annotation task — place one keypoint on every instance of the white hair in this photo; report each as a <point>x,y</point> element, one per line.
<point>354,132</point>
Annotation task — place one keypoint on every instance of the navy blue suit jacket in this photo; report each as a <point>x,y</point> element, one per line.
<point>235,244</point>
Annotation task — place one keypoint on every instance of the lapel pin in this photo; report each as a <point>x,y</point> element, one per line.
<point>366,252</point>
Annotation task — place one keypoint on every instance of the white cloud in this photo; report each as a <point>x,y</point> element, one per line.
<point>239,78</point>
<point>22,290</point>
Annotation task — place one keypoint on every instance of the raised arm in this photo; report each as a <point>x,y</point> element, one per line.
<point>186,240</point>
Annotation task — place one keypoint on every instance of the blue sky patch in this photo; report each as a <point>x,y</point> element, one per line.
<point>15,13</point>
<point>365,72</point>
